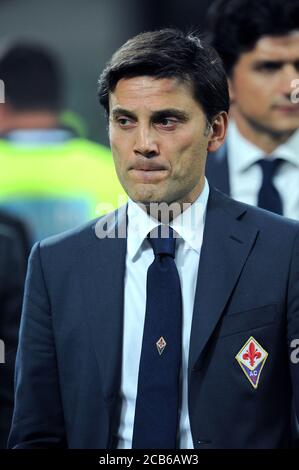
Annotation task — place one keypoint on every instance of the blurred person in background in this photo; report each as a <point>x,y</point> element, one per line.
<point>13,261</point>
<point>258,41</point>
<point>50,177</point>
<point>20,231</point>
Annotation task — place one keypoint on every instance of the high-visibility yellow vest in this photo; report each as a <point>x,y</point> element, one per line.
<point>57,186</point>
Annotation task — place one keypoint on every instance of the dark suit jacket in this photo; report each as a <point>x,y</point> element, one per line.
<point>70,351</point>
<point>217,171</point>
<point>12,276</point>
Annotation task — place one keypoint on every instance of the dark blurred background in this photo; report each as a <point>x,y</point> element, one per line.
<point>84,34</point>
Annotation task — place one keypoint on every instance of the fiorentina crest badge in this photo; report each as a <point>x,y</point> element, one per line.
<point>252,358</point>
<point>161,345</point>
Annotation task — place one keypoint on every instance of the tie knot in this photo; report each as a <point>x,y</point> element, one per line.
<point>269,167</point>
<point>162,240</point>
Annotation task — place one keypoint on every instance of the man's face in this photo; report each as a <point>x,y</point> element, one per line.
<point>159,139</point>
<point>261,85</point>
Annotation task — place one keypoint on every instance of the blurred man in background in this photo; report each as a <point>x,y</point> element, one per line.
<point>258,41</point>
<point>51,178</point>
<point>13,261</point>
<point>20,231</point>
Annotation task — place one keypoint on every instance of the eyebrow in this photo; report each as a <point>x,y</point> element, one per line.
<point>156,115</point>
<point>171,112</point>
<point>122,111</point>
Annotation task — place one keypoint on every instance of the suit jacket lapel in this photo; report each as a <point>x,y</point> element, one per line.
<point>103,289</point>
<point>227,242</point>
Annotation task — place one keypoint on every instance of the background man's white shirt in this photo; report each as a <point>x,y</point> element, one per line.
<point>246,176</point>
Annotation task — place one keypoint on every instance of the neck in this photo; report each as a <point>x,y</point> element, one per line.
<point>32,120</point>
<point>260,136</point>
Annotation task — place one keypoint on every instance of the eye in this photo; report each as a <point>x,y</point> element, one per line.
<point>125,122</point>
<point>167,122</point>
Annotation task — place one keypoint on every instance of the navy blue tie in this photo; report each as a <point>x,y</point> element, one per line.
<point>158,394</point>
<point>268,196</point>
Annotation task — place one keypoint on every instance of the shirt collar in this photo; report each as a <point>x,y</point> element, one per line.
<point>243,154</point>
<point>289,150</point>
<point>189,224</point>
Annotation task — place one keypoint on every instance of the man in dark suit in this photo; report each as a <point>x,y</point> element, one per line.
<point>13,260</point>
<point>258,41</point>
<point>135,338</point>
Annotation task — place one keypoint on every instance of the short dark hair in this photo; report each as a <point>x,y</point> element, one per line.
<point>235,26</point>
<point>31,76</point>
<point>170,53</point>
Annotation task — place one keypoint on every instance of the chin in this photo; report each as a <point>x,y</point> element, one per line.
<point>145,196</point>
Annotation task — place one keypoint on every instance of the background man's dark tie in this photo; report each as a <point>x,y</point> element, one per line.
<point>158,395</point>
<point>268,196</point>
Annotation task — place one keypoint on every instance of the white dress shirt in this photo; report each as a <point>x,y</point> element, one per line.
<point>190,226</point>
<point>246,176</point>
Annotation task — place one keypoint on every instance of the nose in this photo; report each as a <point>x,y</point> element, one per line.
<point>145,142</point>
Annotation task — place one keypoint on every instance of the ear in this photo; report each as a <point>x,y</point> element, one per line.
<point>218,131</point>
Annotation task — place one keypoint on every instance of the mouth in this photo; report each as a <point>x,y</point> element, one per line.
<point>148,171</point>
<point>149,165</point>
